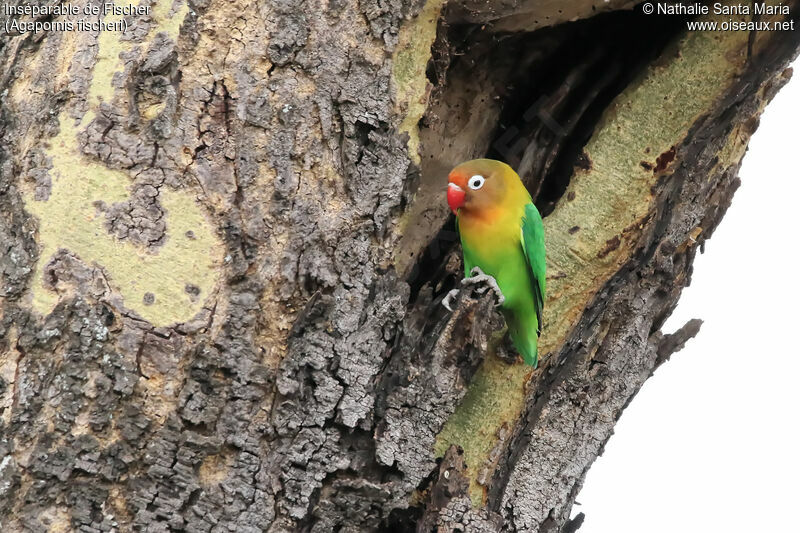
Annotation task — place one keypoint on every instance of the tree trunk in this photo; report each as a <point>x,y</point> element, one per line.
<point>225,244</point>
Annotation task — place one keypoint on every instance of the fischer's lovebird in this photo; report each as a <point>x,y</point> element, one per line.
<point>503,236</point>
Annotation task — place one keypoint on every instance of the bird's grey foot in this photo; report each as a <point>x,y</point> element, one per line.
<point>447,301</point>
<point>476,275</point>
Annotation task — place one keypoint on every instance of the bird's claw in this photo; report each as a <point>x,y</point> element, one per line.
<point>476,275</point>
<point>448,298</point>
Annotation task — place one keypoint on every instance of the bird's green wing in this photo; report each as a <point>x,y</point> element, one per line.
<point>532,237</point>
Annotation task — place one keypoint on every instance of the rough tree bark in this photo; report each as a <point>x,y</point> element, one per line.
<point>224,244</point>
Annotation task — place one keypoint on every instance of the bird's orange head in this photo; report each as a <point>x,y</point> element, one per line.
<point>478,185</point>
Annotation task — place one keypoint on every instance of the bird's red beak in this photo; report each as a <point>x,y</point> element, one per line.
<point>456,195</point>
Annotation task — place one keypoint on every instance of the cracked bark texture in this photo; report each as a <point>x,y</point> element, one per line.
<point>224,245</point>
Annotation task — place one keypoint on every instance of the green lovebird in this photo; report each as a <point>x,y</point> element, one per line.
<point>502,237</point>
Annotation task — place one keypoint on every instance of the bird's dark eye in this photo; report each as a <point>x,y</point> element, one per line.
<point>476,182</point>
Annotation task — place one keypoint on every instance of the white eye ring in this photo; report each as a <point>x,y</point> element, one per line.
<point>476,182</point>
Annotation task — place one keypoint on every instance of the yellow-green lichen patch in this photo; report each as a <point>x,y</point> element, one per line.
<point>164,286</point>
<point>167,16</point>
<point>70,220</point>
<point>610,202</point>
<point>408,70</point>
<point>107,62</point>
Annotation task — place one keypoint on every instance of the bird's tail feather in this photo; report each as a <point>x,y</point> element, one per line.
<point>526,341</point>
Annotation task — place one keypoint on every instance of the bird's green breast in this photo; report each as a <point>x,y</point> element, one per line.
<point>495,248</point>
